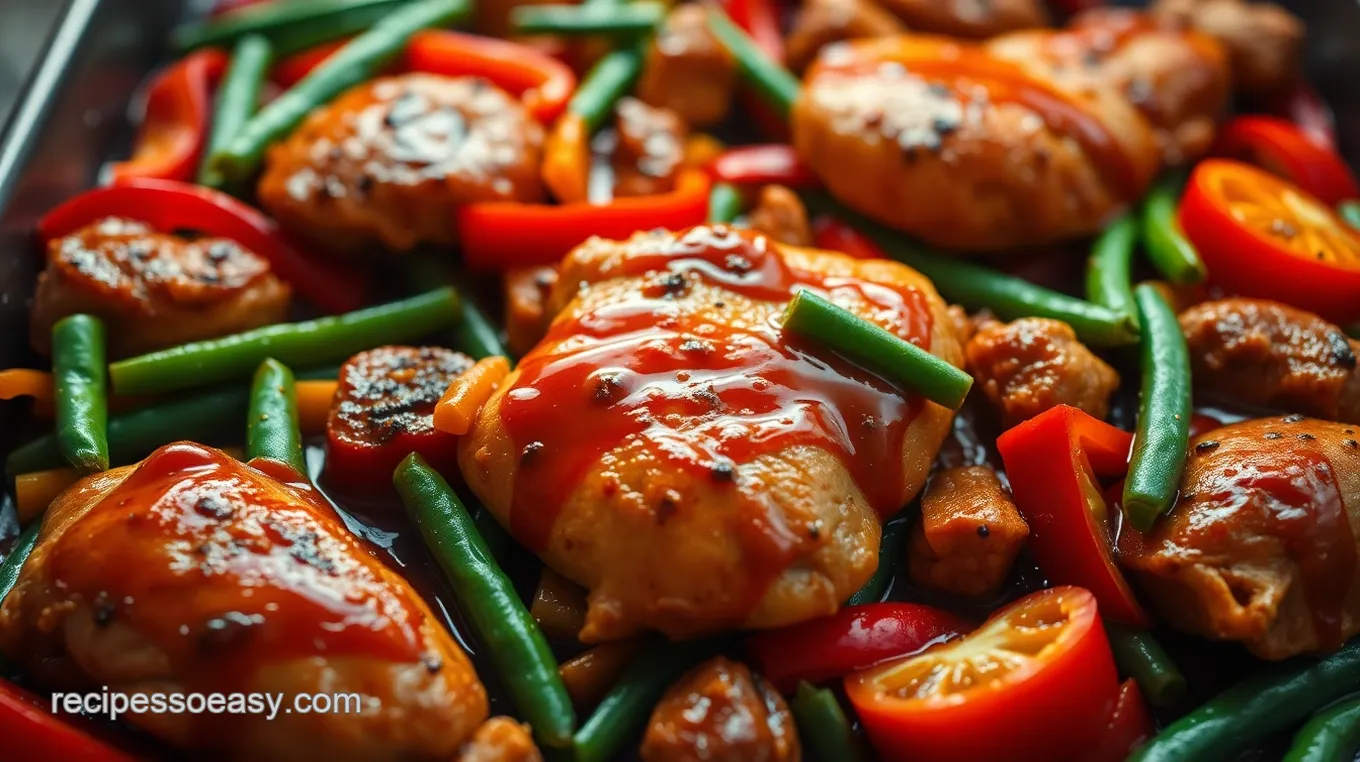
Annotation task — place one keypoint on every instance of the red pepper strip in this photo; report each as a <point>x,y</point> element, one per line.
<point>852,639</point>
<point>760,19</point>
<point>544,83</point>
<point>1284,149</point>
<point>833,235</point>
<point>178,117</point>
<point>31,731</point>
<point>167,205</point>
<point>293,69</point>
<point>1130,725</point>
<point>502,235</point>
<point>762,164</point>
<point>1052,461</point>
<point>1302,105</point>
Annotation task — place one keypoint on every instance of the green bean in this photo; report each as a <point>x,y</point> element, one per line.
<point>294,25</point>
<point>299,344</point>
<point>631,20</point>
<point>272,429</point>
<point>870,345</point>
<point>1164,410</point>
<point>724,203</point>
<point>1109,272</point>
<point>18,554</point>
<point>80,392</point>
<point>486,596</point>
<point>1330,736</point>
<point>890,550</point>
<point>1170,251</point>
<point>1350,212</point>
<point>1256,709</point>
<point>237,99</point>
<point>772,81</point>
<point>357,61</point>
<point>607,81</point>
<point>1141,657</point>
<point>823,727</point>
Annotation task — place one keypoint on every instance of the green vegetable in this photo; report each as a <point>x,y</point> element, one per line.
<point>631,20</point>
<point>1350,212</point>
<point>822,725</point>
<point>291,26</point>
<point>18,554</point>
<point>1164,411</point>
<point>272,423</point>
<point>872,346</point>
<point>1255,709</point>
<point>486,596</point>
<point>299,344</point>
<point>1170,251</point>
<point>890,550</point>
<point>1110,269</point>
<point>356,62</point>
<point>724,203</point>
<point>606,82</point>
<point>1141,657</point>
<point>773,82</point>
<point>1330,736</point>
<point>80,392</point>
<point>237,99</point>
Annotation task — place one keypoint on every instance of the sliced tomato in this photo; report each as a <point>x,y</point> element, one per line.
<point>1129,726</point>
<point>1035,682</point>
<point>1262,236</point>
<point>1283,148</point>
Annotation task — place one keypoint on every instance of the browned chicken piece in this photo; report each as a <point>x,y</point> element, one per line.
<point>942,140</point>
<point>1261,546</point>
<point>780,214</point>
<point>153,290</point>
<point>526,296</point>
<point>193,572</point>
<point>1034,364</point>
<point>500,739</point>
<point>1178,78</point>
<point>721,712</point>
<point>650,148</point>
<point>667,447</point>
<point>1266,354</point>
<point>969,533</point>
<point>969,19</point>
<point>822,22</point>
<point>388,162</point>
<point>687,71</point>
<point>1264,41</point>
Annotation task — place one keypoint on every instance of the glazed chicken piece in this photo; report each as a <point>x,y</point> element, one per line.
<point>526,295</point>
<point>721,712</point>
<point>1034,364</point>
<point>668,448</point>
<point>650,148</point>
<point>822,22</point>
<point>1264,41</point>
<point>969,19</point>
<point>1261,546</point>
<point>969,533</point>
<point>1266,354</point>
<point>500,739</point>
<point>193,572</point>
<point>153,290</point>
<point>780,214</point>
<point>687,71</point>
<point>386,163</point>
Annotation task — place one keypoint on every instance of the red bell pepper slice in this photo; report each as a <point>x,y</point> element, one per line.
<point>852,639</point>
<point>503,235</point>
<point>1129,726</point>
<point>833,235</point>
<point>1302,105</point>
<point>167,205</point>
<point>760,19</point>
<point>31,732</point>
<point>294,68</point>
<point>178,117</point>
<point>544,83</point>
<point>1052,461</point>
<point>1284,149</point>
<point>762,164</point>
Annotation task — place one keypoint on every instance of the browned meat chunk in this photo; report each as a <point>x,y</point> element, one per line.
<point>650,148</point>
<point>721,712</point>
<point>968,535</point>
<point>526,316</point>
<point>389,161</point>
<point>687,71</point>
<point>1033,364</point>
<point>779,214</point>
<point>500,739</point>
<point>1264,41</point>
<point>1261,546</point>
<point>821,22</point>
<point>969,19</point>
<point>153,290</point>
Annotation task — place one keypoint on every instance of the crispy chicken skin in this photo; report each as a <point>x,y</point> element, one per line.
<point>1266,354</point>
<point>822,22</point>
<point>650,148</point>
<point>387,162</point>
<point>721,712</point>
<point>1034,364</point>
<point>942,140</point>
<point>668,448</point>
<point>969,533</point>
<point>1260,547</point>
<point>500,739</point>
<point>780,214</point>
<point>687,71</point>
<point>1264,41</point>
<point>193,572</point>
<point>153,290</point>
<point>969,19</point>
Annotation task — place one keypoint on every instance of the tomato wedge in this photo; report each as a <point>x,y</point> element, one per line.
<point>1283,148</point>
<point>1264,237</point>
<point>1035,682</point>
<point>1128,727</point>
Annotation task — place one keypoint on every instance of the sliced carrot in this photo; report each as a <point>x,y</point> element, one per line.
<point>25,382</point>
<point>35,491</point>
<point>566,159</point>
<point>589,676</point>
<point>466,395</point>
<point>314,404</point>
